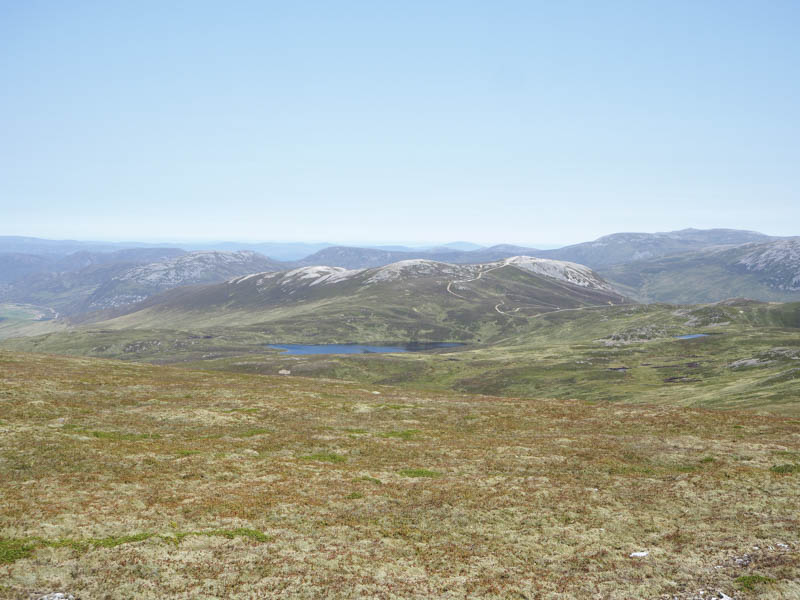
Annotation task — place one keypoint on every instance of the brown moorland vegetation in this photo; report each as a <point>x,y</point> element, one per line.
<point>121,480</point>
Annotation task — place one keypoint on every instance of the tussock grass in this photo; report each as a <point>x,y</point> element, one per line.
<point>751,582</point>
<point>12,550</point>
<point>372,480</point>
<point>239,532</point>
<point>785,469</point>
<point>253,432</point>
<point>325,457</point>
<point>15,549</point>
<point>419,473</point>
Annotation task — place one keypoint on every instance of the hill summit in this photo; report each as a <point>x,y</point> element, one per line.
<point>415,299</point>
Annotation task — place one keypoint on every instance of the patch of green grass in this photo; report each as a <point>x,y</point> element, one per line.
<point>419,473</point>
<point>370,480</point>
<point>252,534</point>
<point>354,496</point>
<point>748,583</point>
<point>187,452</point>
<point>684,468</point>
<point>787,454</point>
<point>13,550</point>
<point>239,532</point>
<point>325,457</point>
<point>118,436</point>
<point>406,434</point>
<point>253,432</point>
<point>623,468</point>
<point>114,541</point>
<point>84,545</point>
<point>785,469</point>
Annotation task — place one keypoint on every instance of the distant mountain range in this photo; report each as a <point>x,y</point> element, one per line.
<point>33,245</point>
<point>765,271</point>
<point>16,265</point>
<point>621,248</point>
<point>282,251</point>
<point>608,250</point>
<point>134,277</point>
<point>686,266</point>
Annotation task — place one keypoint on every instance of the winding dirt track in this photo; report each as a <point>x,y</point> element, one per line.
<point>480,274</point>
<point>509,313</point>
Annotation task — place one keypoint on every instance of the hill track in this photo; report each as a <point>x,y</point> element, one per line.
<point>480,274</point>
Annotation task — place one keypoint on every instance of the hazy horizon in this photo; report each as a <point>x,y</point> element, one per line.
<point>331,242</point>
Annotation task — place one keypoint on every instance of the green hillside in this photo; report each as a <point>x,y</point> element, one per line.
<point>750,357</point>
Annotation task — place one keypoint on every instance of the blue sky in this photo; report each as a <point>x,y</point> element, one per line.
<point>520,122</point>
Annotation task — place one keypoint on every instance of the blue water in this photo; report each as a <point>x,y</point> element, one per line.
<point>359,348</point>
<point>691,336</point>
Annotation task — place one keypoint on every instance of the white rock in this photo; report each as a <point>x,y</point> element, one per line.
<point>318,274</point>
<point>781,257</point>
<point>415,268</point>
<point>639,554</point>
<point>189,268</point>
<point>562,270</point>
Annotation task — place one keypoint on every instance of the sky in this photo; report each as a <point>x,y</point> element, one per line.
<point>536,123</point>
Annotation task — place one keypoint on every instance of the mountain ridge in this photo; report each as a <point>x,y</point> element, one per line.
<point>416,299</point>
<point>105,285</point>
<point>605,251</point>
<point>762,271</point>
<point>88,280</point>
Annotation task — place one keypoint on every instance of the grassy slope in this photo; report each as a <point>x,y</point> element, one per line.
<point>124,480</point>
<point>581,354</point>
<point>566,354</point>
